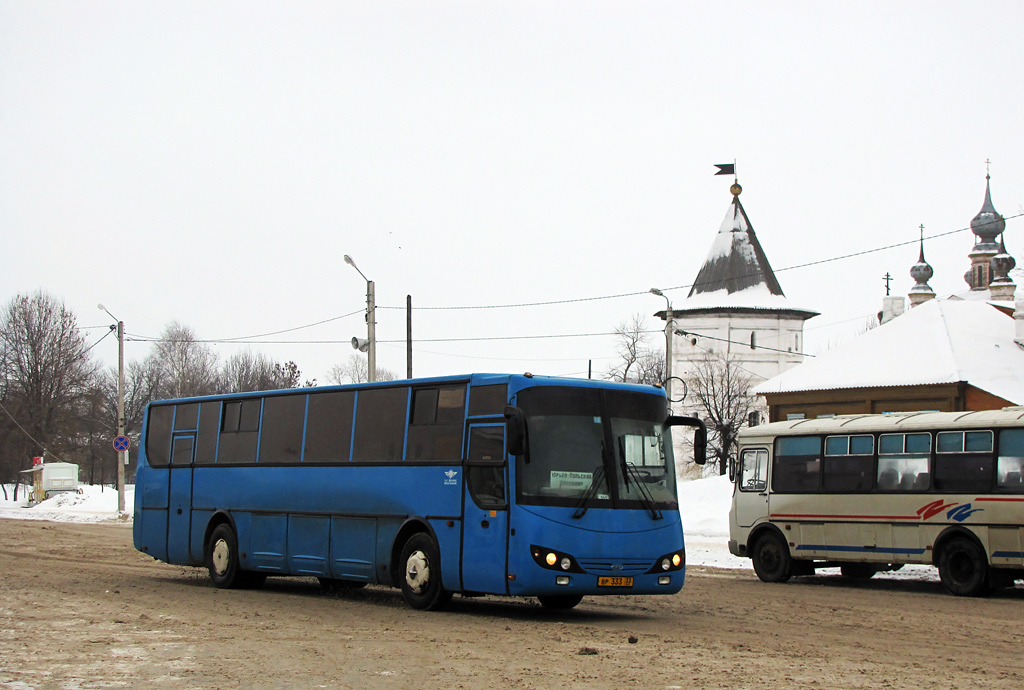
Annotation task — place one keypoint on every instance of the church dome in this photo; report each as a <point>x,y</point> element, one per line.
<point>988,224</point>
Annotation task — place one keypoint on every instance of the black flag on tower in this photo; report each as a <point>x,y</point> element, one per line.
<point>725,168</point>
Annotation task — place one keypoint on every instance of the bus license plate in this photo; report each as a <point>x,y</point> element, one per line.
<point>614,582</point>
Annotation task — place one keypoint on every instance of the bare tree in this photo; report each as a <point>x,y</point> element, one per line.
<point>356,370</point>
<point>721,389</point>
<point>186,367</point>
<point>254,371</point>
<point>638,362</point>
<point>47,374</point>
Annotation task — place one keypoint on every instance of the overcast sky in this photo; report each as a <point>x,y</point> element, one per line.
<point>212,162</point>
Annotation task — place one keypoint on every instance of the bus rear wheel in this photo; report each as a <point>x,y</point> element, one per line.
<point>421,574</point>
<point>771,559</point>
<point>963,568</point>
<point>559,601</point>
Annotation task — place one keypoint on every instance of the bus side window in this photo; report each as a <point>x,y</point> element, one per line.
<point>1010,470</point>
<point>158,435</point>
<point>485,466</point>
<point>796,466</point>
<point>435,426</point>
<point>754,470</point>
<point>329,427</point>
<point>240,429</point>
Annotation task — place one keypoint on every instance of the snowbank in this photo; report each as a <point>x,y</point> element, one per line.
<point>93,504</point>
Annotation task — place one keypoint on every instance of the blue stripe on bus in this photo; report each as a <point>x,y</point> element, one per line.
<point>1008,554</point>
<point>858,549</point>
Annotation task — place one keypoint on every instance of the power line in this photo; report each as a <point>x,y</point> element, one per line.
<point>251,339</point>
<point>690,285</point>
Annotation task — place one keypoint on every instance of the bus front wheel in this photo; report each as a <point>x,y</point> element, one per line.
<point>421,574</point>
<point>771,559</point>
<point>222,558</point>
<point>963,568</point>
<point>222,561</point>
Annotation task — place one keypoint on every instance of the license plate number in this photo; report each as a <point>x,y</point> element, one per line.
<point>614,582</point>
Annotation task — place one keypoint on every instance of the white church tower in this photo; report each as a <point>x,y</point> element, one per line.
<point>736,308</point>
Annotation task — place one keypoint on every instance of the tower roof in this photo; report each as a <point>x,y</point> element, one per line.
<point>736,261</point>
<point>736,275</point>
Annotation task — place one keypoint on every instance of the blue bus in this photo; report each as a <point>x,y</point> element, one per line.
<point>501,484</point>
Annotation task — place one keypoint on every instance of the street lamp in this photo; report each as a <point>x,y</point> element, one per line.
<point>370,325</point>
<point>669,327</point>
<point>122,458</point>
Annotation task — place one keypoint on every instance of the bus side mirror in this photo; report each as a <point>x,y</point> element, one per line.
<point>515,430</point>
<point>700,436</point>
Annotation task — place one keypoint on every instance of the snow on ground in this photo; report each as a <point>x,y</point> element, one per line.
<point>94,504</point>
<point>703,505</point>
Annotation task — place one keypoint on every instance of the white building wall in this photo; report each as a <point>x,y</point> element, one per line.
<point>778,347</point>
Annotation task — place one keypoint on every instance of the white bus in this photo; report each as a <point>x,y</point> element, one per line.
<point>870,493</point>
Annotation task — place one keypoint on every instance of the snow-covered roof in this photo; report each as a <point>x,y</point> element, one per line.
<point>736,260</point>
<point>940,341</point>
<point>756,297</point>
<point>736,273</point>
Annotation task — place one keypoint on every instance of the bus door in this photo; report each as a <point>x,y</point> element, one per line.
<point>485,513</point>
<point>179,502</point>
<point>751,499</point>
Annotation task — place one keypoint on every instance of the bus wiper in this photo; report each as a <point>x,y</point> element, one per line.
<point>645,494</point>
<point>581,507</point>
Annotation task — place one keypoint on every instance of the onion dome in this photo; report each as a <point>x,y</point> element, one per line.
<point>988,224</point>
<point>1002,286</point>
<point>921,272</point>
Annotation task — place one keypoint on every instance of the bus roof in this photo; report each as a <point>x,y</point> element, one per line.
<point>891,422</point>
<point>515,381</point>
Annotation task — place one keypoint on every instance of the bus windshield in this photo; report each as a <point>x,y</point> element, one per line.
<point>605,447</point>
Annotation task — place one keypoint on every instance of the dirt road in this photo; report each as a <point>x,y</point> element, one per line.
<point>80,608</point>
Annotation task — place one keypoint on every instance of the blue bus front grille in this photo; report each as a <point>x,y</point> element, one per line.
<point>617,567</point>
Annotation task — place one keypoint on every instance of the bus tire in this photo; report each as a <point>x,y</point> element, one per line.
<point>420,578</point>
<point>771,559</point>
<point>963,568</point>
<point>222,558</point>
<point>559,602</point>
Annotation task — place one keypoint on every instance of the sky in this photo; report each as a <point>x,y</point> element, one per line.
<point>526,171</point>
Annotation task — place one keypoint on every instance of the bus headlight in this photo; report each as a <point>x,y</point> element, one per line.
<point>669,562</point>
<point>550,559</point>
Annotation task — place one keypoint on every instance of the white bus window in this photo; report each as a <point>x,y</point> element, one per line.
<point>797,464</point>
<point>903,462</point>
<point>903,473</point>
<point>963,461</point>
<point>1010,470</point>
<point>754,470</point>
<point>849,464</point>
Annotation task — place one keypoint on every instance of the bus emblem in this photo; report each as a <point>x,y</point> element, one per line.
<point>450,481</point>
